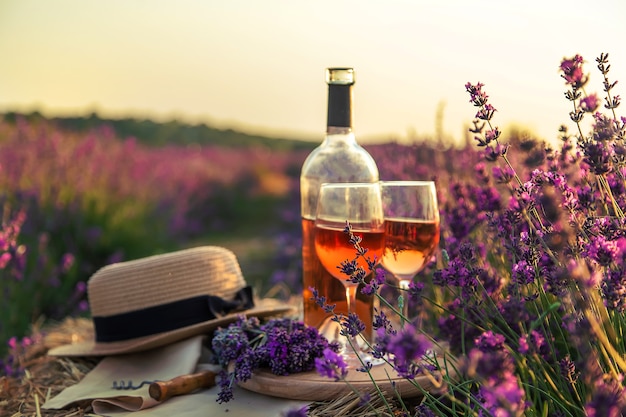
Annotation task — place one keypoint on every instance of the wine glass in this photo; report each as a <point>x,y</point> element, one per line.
<point>411,230</point>
<point>360,205</point>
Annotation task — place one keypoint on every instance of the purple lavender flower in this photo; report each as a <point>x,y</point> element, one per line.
<point>602,250</point>
<point>604,128</point>
<point>462,274</point>
<point>277,351</point>
<point>67,261</point>
<point>488,199</point>
<point>573,72</point>
<point>298,412</point>
<point>502,175</point>
<point>490,342</point>
<point>535,342</point>
<point>352,325</point>
<point>5,258</point>
<point>598,155</point>
<point>13,365</point>
<point>291,346</point>
<point>491,362</point>
<point>491,135</point>
<point>415,290</point>
<point>485,112</point>
<point>230,343</point>
<point>493,153</point>
<point>408,344</point>
<point>455,274</point>
<point>244,364</point>
<point>590,103</point>
<point>320,300</point>
<point>380,320</point>
<point>523,273</point>
<point>406,348</point>
<point>423,410</point>
<point>514,312</point>
<point>557,280</point>
<point>555,251</point>
<point>477,96</point>
<point>607,400</point>
<point>503,396</point>
<point>225,382</point>
<point>349,267</point>
<point>491,357</point>
<point>373,286</point>
<point>568,369</point>
<point>331,365</point>
<point>613,288</point>
<point>285,346</point>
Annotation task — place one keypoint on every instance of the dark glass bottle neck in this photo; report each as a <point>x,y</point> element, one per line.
<point>339,106</point>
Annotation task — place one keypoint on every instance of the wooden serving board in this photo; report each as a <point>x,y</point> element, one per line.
<point>310,386</point>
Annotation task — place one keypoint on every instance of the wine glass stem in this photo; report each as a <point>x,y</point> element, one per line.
<point>350,297</point>
<point>404,287</point>
<point>351,304</point>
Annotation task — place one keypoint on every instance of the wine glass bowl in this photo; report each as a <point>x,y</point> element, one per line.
<point>359,204</point>
<point>411,229</point>
<point>332,247</point>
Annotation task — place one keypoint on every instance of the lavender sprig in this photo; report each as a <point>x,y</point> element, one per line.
<point>603,150</point>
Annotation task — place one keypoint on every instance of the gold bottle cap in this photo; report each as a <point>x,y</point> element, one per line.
<point>341,76</point>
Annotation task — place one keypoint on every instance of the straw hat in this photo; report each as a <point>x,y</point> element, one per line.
<point>154,301</point>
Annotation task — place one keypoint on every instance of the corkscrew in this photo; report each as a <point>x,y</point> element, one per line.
<point>122,385</point>
<point>162,390</point>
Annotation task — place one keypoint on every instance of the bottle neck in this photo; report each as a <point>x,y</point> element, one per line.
<point>338,131</point>
<point>339,107</point>
<point>339,136</point>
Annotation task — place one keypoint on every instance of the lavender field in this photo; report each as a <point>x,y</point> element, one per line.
<point>528,289</point>
<point>75,200</point>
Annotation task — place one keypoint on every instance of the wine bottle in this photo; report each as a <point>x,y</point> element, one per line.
<point>339,158</point>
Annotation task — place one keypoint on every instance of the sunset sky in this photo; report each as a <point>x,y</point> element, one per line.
<point>258,65</point>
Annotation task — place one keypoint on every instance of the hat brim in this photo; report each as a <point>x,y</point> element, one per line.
<point>263,308</point>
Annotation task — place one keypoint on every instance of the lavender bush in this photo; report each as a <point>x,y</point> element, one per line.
<point>34,282</point>
<point>529,301</point>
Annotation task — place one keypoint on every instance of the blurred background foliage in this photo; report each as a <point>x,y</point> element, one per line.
<point>80,193</point>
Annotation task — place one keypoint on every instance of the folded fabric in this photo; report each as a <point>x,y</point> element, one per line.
<point>203,403</point>
<point>120,371</point>
<point>162,364</point>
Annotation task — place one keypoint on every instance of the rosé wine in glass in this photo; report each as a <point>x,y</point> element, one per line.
<point>358,204</point>
<point>411,230</point>
<point>332,246</point>
<point>410,244</point>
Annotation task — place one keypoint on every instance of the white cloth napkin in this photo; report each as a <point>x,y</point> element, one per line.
<point>162,364</point>
<point>154,365</point>
<point>204,404</point>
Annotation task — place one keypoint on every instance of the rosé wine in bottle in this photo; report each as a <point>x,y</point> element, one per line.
<point>338,159</point>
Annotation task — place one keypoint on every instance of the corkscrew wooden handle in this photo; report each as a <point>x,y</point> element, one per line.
<point>184,384</point>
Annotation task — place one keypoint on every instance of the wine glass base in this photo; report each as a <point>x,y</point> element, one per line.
<point>356,360</point>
